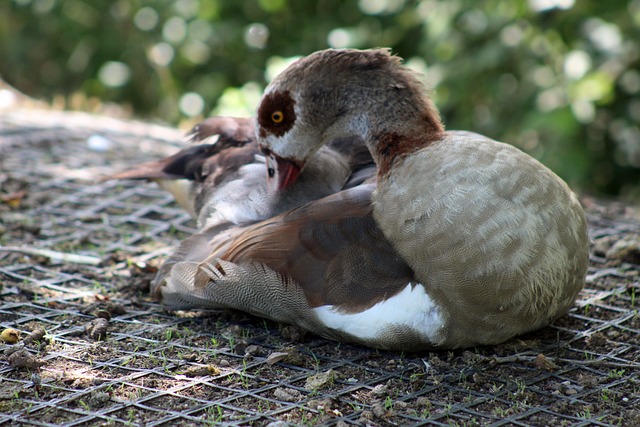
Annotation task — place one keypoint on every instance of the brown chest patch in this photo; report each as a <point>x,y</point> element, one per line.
<point>391,146</point>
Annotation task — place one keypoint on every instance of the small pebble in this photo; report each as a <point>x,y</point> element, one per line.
<point>99,398</point>
<point>626,249</point>
<point>196,371</point>
<point>378,410</point>
<point>252,350</point>
<point>286,395</point>
<point>320,380</point>
<point>103,314</point>
<point>35,336</point>
<point>97,329</point>
<point>379,390</point>
<point>276,356</point>
<point>10,336</point>
<point>23,359</point>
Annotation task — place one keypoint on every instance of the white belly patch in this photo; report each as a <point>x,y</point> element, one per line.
<point>411,307</point>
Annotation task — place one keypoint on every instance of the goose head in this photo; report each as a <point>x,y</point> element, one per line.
<point>338,93</point>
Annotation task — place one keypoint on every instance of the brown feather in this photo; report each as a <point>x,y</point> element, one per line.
<point>331,248</point>
<point>238,129</point>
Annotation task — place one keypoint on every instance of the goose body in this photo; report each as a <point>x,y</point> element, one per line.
<point>461,241</point>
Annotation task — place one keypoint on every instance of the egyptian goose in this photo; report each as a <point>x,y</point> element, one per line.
<point>221,178</point>
<point>462,241</point>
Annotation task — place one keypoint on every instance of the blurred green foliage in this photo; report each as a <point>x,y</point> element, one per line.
<point>558,78</point>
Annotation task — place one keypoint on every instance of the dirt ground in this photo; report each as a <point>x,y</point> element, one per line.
<point>94,349</point>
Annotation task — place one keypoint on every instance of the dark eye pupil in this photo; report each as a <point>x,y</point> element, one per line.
<point>271,172</point>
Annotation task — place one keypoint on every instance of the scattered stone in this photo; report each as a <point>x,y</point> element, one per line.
<point>10,336</point>
<point>224,363</point>
<point>286,395</point>
<point>98,399</point>
<point>320,380</point>
<point>35,336</point>
<point>103,314</point>
<point>213,369</point>
<point>567,388</point>
<point>192,357</point>
<point>278,424</point>
<point>115,309</point>
<point>23,359</point>
<point>342,423</point>
<point>378,410</point>
<point>289,355</point>
<point>240,347</point>
<point>380,390</point>
<point>320,404</point>
<point>602,244</point>
<point>333,412</point>
<point>626,249</point>
<point>97,329</point>
<point>202,371</point>
<point>587,381</point>
<point>544,363</point>
<point>79,383</point>
<point>276,356</point>
<point>252,350</point>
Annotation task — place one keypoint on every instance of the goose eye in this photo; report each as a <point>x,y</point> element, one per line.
<point>277,117</point>
<point>276,114</point>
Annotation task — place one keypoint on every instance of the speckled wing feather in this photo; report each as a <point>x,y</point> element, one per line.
<point>330,250</point>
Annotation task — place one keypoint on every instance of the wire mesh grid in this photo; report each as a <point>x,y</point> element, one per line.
<point>147,366</point>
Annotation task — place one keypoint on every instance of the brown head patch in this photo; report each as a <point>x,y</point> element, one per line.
<point>276,114</point>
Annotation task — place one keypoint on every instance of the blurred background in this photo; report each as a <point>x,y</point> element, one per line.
<point>558,78</point>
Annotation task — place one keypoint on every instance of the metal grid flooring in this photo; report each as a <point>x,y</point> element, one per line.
<point>227,368</point>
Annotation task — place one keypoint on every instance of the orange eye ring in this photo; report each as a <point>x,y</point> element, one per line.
<point>277,117</point>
